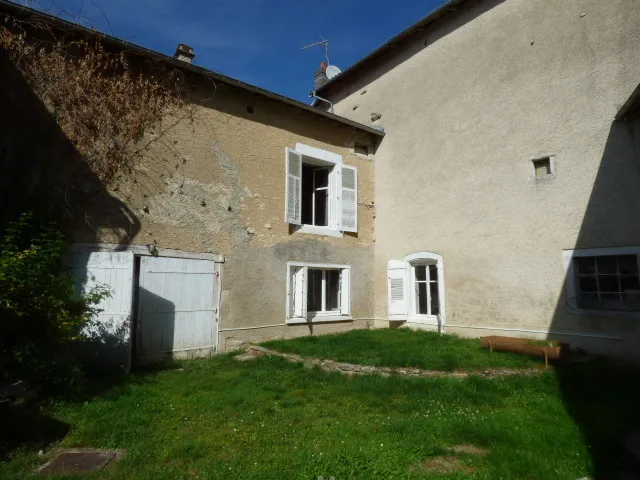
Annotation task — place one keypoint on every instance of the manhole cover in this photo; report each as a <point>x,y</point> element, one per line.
<point>78,462</point>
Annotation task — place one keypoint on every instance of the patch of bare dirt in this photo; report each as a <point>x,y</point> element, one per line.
<point>448,464</point>
<point>353,369</point>
<point>469,449</point>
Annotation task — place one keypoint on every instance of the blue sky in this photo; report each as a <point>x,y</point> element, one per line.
<point>256,41</point>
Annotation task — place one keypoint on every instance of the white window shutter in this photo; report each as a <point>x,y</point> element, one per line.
<point>303,287</point>
<point>345,301</point>
<point>349,199</point>
<point>293,199</point>
<point>298,305</point>
<point>398,290</point>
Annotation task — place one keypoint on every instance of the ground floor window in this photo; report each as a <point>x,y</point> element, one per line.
<point>603,280</point>
<point>416,289</point>
<point>323,290</point>
<point>608,282</point>
<point>425,281</point>
<point>317,292</point>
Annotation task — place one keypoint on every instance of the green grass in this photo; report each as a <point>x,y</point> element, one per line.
<point>403,348</point>
<point>271,419</point>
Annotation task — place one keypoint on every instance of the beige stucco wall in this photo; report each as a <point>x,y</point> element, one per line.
<point>466,106</point>
<point>213,180</point>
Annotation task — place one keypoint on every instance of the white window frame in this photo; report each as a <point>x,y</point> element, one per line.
<point>334,163</point>
<point>329,160</point>
<point>572,287</point>
<point>301,294</point>
<point>427,281</point>
<point>404,270</point>
<point>425,258</point>
<point>314,192</point>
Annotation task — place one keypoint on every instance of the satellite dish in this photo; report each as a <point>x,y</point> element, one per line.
<point>332,71</point>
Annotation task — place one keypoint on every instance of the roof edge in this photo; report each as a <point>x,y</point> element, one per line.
<point>9,7</point>
<point>435,14</point>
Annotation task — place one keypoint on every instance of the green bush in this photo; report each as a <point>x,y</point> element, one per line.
<point>41,314</point>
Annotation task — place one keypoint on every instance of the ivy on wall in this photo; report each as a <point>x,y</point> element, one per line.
<point>101,102</point>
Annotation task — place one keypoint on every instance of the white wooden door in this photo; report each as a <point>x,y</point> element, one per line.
<point>108,335</point>
<point>177,307</point>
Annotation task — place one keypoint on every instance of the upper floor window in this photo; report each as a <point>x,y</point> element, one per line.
<point>603,280</point>
<point>316,204</point>
<point>321,192</point>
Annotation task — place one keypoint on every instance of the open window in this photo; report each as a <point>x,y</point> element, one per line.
<point>416,289</point>
<point>321,192</point>
<point>318,292</point>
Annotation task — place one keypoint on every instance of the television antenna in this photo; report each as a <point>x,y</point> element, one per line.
<point>318,44</point>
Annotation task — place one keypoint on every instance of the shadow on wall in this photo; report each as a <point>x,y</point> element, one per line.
<point>603,400</point>
<point>41,171</point>
<point>154,338</point>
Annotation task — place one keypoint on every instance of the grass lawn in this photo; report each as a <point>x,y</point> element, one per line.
<point>270,419</point>
<point>403,348</point>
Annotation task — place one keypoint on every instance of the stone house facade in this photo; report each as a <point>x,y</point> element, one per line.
<point>252,219</point>
<point>480,175</point>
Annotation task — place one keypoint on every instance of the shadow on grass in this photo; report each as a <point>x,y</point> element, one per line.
<point>25,426</point>
<point>604,400</point>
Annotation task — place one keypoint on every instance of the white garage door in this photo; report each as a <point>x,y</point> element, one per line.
<point>109,334</point>
<point>177,307</point>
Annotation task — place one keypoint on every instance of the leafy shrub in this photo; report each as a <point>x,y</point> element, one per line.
<point>41,315</point>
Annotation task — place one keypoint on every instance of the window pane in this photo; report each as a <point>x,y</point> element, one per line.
<point>585,265</point>
<point>435,302</point>
<point>587,284</point>
<point>322,178</point>
<point>321,208</point>
<point>630,284</point>
<point>314,291</point>
<point>307,195</point>
<point>628,263</point>
<point>433,273</point>
<point>421,301</point>
<point>631,302</point>
<point>589,301</point>
<point>608,283</point>
<point>333,290</point>
<point>607,264</point>
<point>610,301</point>
<point>420,272</point>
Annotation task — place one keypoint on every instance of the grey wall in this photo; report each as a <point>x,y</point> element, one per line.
<point>466,107</point>
<point>255,284</point>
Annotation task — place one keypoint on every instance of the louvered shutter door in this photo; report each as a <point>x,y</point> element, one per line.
<point>293,187</point>
<point>345,301</point>
<point>398,290</point>
<point>349,199</point>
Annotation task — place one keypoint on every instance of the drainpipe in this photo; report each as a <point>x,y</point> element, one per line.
<point>312,94</point>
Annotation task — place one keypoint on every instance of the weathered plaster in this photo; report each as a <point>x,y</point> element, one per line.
<point>215,182</point>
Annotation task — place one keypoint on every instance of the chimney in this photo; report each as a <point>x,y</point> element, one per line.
<point>321,75</point>
<point>184,53</point>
